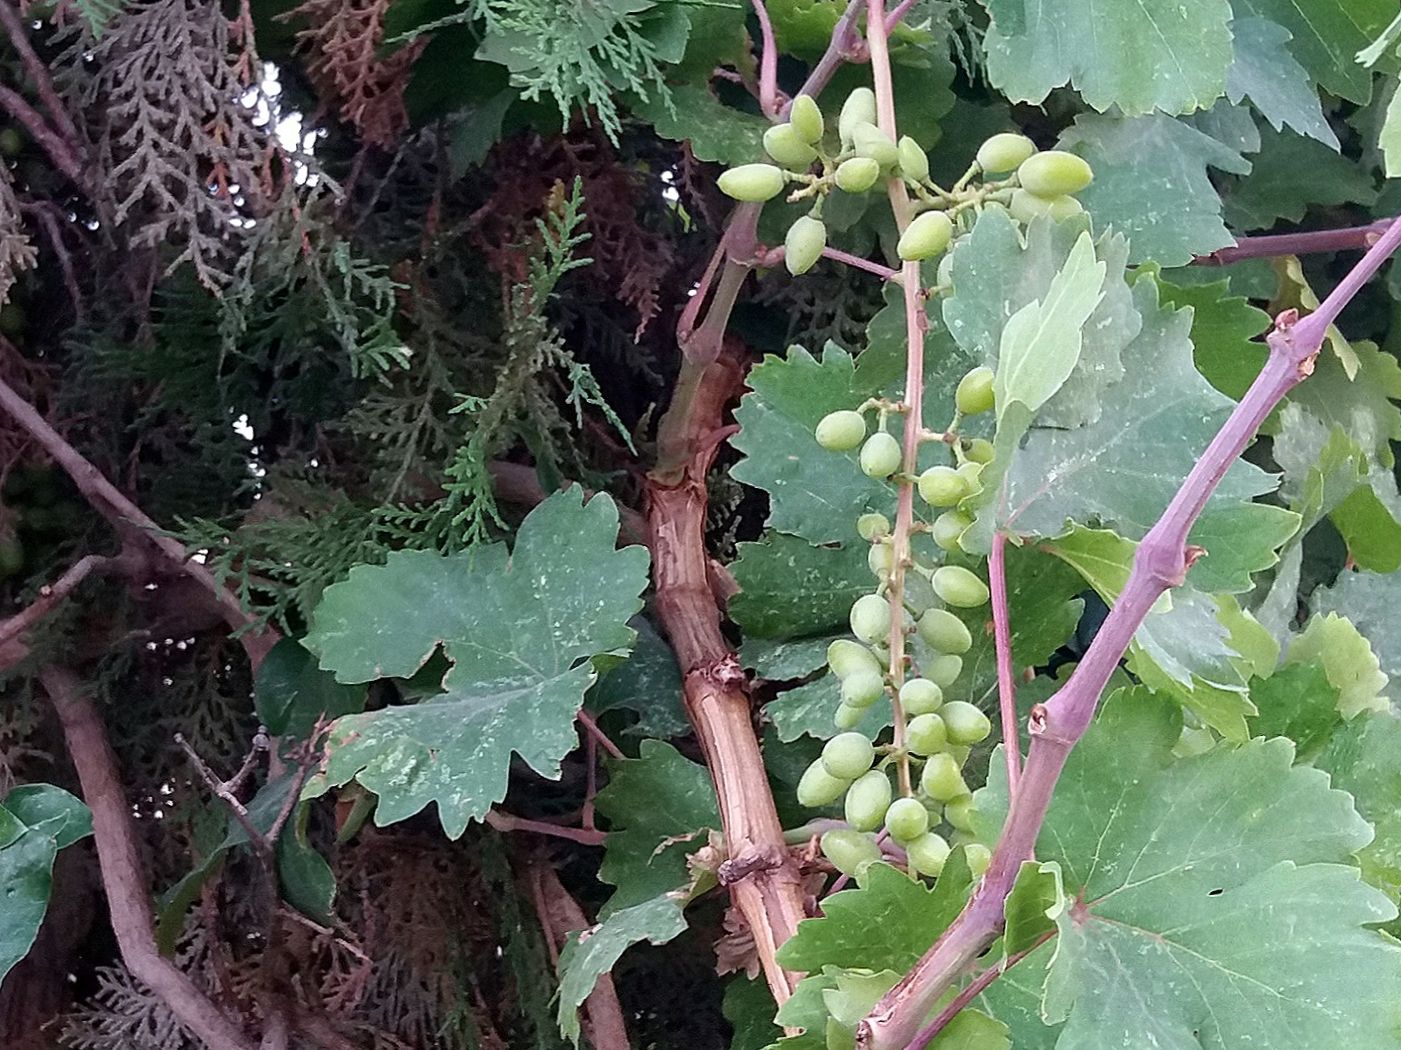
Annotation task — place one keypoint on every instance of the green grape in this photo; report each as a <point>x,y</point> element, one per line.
<point>881,559</point>
<point>872,526</point>
<point>1027,206</point>
<point>942,486</point>
<point>870,141</point>
<point>944,670</point>
<point>859,108</point>
<point>959,587</point>
<point>848,717</point>
<point>1005,152</point>
<point>857,174</point>
<point>914,162</point>
<point>945,631</point>
<point>882,654</point>
<point>972,475</point>
<point>974,394</point>
<point>1054,173</point>
<point>870,618</point>
<point>979,857</point>
<point>944,275</point>
<point>920,696</point>
<point>932,807</point>
<point>817,787</point>
<point>925,237</point>
<point>11,142</point>
<point>980,451</point>
<point>959,812</point>
<point>1064,207</point>
<point>846,658</point>
<point>839,1036</point>
<point>784,144</point>
<point>926,734</point>
<point>752,182</point>
<point>848,850</point>
<point>948,527</point>
<point>928,853</point>
<point>907,819</point>
<point>862,689</point>
<point>967,724</point>
<point>847,755</point>
<point>960,753</point>
<point>941,779</point>
<point>802,247</point>
<point>806,118</point>
<point>841,431</point>
<point>867,800</point>
<point>880,455</point>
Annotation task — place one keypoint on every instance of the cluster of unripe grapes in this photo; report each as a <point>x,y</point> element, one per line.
<point>1028,183</point>
<point>938,734</point>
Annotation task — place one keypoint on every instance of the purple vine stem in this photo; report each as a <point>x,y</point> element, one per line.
<point>1160,563</point>
<point>1274,244</point>
<point>1006,681</point>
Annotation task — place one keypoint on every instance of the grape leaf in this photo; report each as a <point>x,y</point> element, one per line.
<point>1031,908</point>
<point>1322,465</point>
<point>1264,71</point>
<point>808,709</point>
<point>997,275</point>
<point>1225,328</point>
<point>1297,702</point>
<point>659,807</point>
<point>1389,137</point>
<point>789,588</point>
<point>1151,183</point>
<point>648,682</point>
<point>589,955</point>
<point>1289,175</point>
<point>1346,657</point>
<point>1361,758</point>
<point>784,659</point>
<point>1154,54</point>
<point>520,633</point>
<point>1371,602</point>
<point>1163,409</point>
<point>749,1007</point>
<point>716,132</point>
<point>291,693</point>
<point>1327,34</point>
<point>36,821</point>
<point>1230,918</point>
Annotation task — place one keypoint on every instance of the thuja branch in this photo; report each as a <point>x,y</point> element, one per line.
<point>1160,563</point>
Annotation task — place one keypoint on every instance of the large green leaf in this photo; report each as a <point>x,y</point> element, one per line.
<point>1153,54</point>
<point>789,588</point>
<point>1225,330</point>
<point>1372,602</point>
<point>1362,759</point>
<point>1327,36</point>
<point>807,709</point>
<point>36,821</point>
<point>1151,183</point>
<point>1289,175</point>
<point>291,693</point>
<point>520,633</point>
<point>1232,917</point>
<point>590,954</point>
<point>715,131</point>
<point>659,807</point>
<point>1276,84</point>
<point>648,682</point>
<point>1335,644</point>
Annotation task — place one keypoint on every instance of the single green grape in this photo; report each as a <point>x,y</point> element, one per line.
<point>1054,173</point>
<point>944,274</point>
<point>979,858</point>
<point>847,755</point>
<point>880,455</point>
<point>841,431</point>
<point>959,812</point>
<point>980,451</point>
<point>926,734</point>
<point>806,118</point>
<point>784,144</point>
<point>872,526</point>
<point>920,696</point>
<point>867,800</point>
<point>870,618</point>
<point>857,174</point>
<point>914,162</point>
<point>966,723</point>
<point>928,853</point>
<point>870,141</point>
<point>1027,206</point>
<point>948,527</point>
<point>859,108</point>
<point>753,183</point>
<point>846,658</point>
<point>974,394</point>
<point>959,587</point>
<point>941,778</point>
<point>848,850</point>
<point>972,475</point>
<point>862,689</point>
<point>882,653</point>
<point>1004,152</point>
<point>944,670</point>
<point>880,559</point>
<point>945,631</point>
<point>907,819</point>
<point>925,237</point>
<point>817,787</point>
<point>802,247</point>
<point>942,486</point>
<point>847,717</point>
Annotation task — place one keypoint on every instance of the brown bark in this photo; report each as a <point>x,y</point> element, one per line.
<point>766,889</point>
